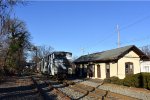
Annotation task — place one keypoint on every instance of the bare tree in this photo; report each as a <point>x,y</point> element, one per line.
<point>6,9</point>
<point>146,50</point>
<point>40,52</point>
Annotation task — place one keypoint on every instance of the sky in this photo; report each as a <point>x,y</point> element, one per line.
<point>90,25</point>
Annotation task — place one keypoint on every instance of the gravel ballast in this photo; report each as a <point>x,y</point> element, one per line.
<point>71,93</point>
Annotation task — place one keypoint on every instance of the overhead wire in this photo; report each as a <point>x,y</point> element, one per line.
<point>137,40</point>
<point>136,22</point>
<point>123,28</point>
<point>132,24</point>
<point>100,42</point>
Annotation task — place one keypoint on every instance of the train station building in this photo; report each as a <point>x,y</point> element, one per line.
<point>117,62</point>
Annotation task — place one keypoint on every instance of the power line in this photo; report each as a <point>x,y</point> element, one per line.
<point>129,25</point>
<point>138,40</point>
<point>102,40</point>
<point>132,24</point>
<point>138,21</point>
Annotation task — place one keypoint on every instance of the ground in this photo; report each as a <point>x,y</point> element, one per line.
<point>24,88</point>
<point>18,88</point>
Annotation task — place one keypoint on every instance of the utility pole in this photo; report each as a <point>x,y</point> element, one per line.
<point>118,35</point>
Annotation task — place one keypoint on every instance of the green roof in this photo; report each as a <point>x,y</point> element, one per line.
<point>107,55</point>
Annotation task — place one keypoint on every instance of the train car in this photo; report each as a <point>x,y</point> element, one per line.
<point>57,64</point>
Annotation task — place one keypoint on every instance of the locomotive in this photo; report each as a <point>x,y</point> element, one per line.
<point>56,64</point>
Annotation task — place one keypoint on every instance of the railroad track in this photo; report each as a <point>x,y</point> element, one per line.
<point>47,90</point>
<point>52,89</point>
<point>98,94</point>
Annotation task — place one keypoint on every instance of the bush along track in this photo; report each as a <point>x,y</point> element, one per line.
<point>140,80</point>
<point>139,85</point>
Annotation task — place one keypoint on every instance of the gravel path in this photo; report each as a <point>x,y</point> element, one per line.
<point>132,92</point>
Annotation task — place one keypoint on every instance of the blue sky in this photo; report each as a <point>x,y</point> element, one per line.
<point>70,26</point>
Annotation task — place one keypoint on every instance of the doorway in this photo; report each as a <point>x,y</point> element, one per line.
<point>91,70</point>
<point>128,68</point>
<point>98,71</point>
<point>107,70</point>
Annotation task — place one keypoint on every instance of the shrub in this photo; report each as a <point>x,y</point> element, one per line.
<point>141,80</point>
<point>119,82</point>
<point>107,80</point>
<point>145,80</point>
<point>132,80</point>
<point>148,84</point>
<point>138,80</point>
<point>114,80</point>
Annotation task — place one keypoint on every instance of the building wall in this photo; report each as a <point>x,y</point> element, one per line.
<point>145,66</point>
<point>113,69</point>
<point>96,70</point>
<point>102,69</point>
<point>130,57</point>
